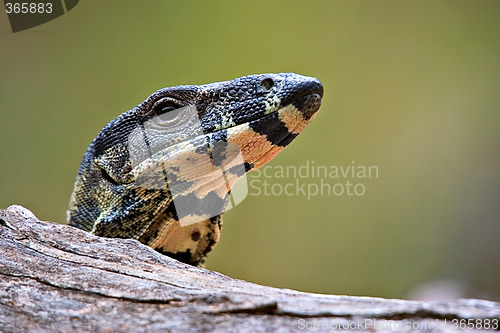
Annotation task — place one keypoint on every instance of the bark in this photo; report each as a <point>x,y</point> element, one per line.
<point>56,278</point>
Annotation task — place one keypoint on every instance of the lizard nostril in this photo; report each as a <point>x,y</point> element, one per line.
<point>267,83</point>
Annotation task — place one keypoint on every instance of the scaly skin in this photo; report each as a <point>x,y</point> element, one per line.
<point>121,188</point>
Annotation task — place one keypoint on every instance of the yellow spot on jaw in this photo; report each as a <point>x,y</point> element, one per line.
<point>255,147</point>
<point>293,119</point>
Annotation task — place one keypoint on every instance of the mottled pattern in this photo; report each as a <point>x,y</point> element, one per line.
<point>122,191</point>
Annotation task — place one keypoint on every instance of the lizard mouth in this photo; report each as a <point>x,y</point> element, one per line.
<point>309,104</point>
<point>261,139</point>
<point>307,97</point>
<point>281,126</point>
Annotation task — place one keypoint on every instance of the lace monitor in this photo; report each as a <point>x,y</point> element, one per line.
<point>122,188</point>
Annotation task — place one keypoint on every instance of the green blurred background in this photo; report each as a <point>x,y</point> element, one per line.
<point>412,87</point>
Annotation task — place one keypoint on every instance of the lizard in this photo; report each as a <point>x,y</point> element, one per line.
<point>125,184</point>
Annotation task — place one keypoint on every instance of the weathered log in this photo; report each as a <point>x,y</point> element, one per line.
<point>56,278</point>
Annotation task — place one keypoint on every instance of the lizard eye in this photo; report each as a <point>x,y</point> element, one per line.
<point>164,106</point>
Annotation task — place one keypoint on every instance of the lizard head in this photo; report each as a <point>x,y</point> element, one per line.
<point>260,114</point>
<point>174,143</point>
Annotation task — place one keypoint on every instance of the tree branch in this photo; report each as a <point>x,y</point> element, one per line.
<point>57,278</point>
